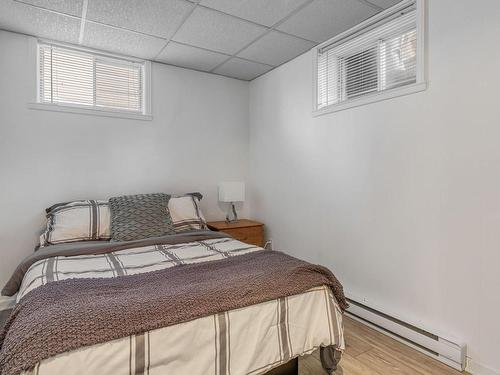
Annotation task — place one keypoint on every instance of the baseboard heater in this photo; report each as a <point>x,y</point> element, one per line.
<point>444,350</point>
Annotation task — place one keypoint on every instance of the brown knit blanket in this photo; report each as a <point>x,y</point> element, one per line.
<point>66,315</point>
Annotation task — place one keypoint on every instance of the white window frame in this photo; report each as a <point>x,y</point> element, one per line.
<point>421,79</point>
<point>37,104</point>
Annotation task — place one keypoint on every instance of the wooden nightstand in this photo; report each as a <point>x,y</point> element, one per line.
<point>244,230</point>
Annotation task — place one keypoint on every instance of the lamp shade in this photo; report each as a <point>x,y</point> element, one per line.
<point>231,192</point>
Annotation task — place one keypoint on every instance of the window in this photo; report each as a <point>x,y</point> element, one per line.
<point>379,59</point>
<point>90,81</point>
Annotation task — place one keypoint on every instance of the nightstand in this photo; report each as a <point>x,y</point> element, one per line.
<point>249,231</point>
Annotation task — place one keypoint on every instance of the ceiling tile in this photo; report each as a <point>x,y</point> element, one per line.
<point>121,41</point>
<point>384,3</point>
<point>190,57</point>
<point>275,48</point>
<point>155,17</point>
<point>72,7</point>
<point>242,69</point>
<point>217,32</point>
<point>264,12</point>
<point>323,19</point>
<point>30,20</point>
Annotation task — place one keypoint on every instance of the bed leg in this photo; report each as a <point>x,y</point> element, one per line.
<point>330,358</point>
<point>294,369</point>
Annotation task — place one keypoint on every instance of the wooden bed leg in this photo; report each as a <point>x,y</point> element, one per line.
<point>295,367</point>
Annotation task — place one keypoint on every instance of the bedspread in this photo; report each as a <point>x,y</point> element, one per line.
<point>247,335</point>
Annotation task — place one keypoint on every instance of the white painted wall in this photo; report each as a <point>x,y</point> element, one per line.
<point>400,198</point>
<point>198,137</point>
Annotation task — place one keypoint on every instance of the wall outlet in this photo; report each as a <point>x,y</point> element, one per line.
<point>269,244</point>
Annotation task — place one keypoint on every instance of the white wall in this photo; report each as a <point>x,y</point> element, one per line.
<point>400,198</point>
<point>198,137</point>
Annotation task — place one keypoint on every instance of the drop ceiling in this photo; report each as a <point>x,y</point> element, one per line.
<point>242,39</point>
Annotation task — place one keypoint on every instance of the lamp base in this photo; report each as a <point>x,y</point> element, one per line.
<point>232,216</point>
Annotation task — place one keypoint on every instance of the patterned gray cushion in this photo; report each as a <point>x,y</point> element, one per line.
<point>140,216</point>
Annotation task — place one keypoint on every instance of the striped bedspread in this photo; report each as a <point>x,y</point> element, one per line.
<point>249,340</point>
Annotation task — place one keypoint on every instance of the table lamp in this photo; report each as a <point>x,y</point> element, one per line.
<point>231,192</point>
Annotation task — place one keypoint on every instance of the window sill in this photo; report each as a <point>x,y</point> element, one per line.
<point>373,98</point>
<point>89,111</point>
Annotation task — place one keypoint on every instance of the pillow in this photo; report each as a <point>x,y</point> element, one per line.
<point>185,212</point>
<point>134,217</point>
<point>86,220</point>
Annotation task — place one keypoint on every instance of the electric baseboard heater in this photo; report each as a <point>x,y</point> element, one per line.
<point>444,350</point>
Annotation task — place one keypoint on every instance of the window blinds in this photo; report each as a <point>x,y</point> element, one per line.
<point>72,77</point>
<point>379,58</point>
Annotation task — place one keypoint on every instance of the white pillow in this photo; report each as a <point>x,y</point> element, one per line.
<point>86,220</point>
<point>186,213</point>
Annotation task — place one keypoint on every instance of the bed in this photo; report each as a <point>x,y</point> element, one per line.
<point>197,302</point>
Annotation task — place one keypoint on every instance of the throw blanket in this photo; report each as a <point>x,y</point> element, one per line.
<point>66,315</point>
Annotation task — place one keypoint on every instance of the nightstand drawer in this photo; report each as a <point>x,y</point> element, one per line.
<point>253,235</point>
<point>244,230</point>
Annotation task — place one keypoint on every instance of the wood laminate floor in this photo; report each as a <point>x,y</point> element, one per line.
<point>370,352</point>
